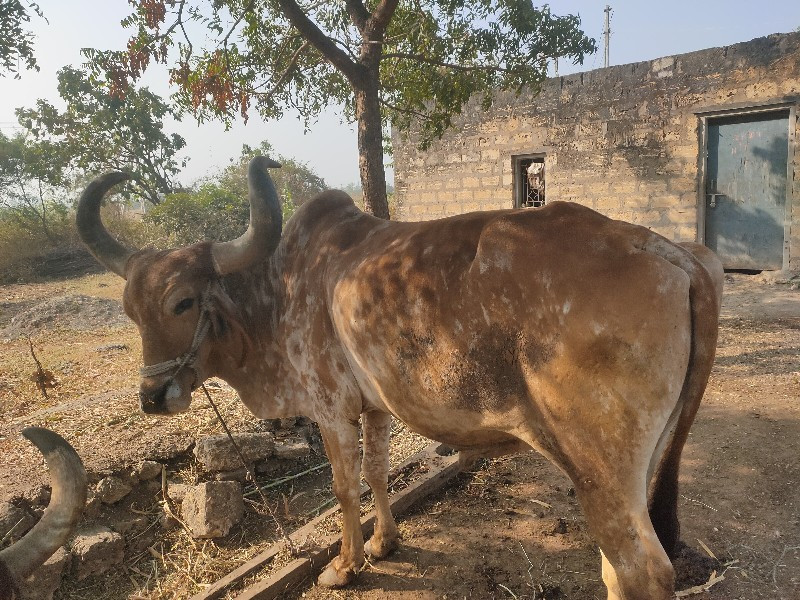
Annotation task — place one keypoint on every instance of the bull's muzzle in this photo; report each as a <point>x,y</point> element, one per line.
<point>153,403</point>
<point>166,398</point>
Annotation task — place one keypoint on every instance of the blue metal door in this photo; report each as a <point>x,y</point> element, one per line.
<point>746,189</point>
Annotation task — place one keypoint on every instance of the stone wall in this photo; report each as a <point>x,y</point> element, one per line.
<point>624,140</point>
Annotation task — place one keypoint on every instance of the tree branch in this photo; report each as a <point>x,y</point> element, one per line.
<point>287,72</point>
<point>406,111</point>
<point>358,13</point>
<point>379,21</point>
<point>424,59</point>
<point>337,57</point>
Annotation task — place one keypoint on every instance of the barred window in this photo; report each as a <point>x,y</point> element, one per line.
<point>529,177</point>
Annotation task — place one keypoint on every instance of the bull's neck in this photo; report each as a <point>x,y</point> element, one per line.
<point>261,379</point>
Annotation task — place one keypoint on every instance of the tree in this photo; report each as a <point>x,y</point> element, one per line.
<point>214,210</point>
<point>99,132</point>
<point>31,173</point>
<point>387,62</point>
<point>295,181</point>
<point>16,44</point>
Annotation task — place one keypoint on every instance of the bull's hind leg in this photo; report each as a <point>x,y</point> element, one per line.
<point>635,566</point>
<point>375,465</point>
<point>341,445</point>
<point>663,501</point>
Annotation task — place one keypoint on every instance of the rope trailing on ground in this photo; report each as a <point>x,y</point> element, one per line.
<point>281,531</point>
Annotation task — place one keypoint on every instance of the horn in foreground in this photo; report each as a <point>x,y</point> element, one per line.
<point>264,232</point>
<point>108,251</point>
<point>68,482</point>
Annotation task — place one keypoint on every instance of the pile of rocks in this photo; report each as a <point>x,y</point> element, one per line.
<point>208,509</point>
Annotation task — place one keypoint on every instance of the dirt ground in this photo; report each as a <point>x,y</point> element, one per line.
<point>509,529</point>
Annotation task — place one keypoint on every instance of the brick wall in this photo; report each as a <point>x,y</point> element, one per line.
<point>624,140</point>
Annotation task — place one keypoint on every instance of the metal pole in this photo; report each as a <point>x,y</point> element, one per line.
<point>607,33</point>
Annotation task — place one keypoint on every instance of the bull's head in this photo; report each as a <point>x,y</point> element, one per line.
<point>68,481</point>
<point>189,326</point>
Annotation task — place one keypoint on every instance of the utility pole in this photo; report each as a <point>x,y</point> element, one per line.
<point>607,32</point>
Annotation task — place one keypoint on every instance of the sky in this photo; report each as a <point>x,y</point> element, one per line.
<point>640,30</point>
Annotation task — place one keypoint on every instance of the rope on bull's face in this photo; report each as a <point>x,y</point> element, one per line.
<point>189,358</point>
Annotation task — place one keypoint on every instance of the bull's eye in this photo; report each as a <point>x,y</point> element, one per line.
<point>184,305</point>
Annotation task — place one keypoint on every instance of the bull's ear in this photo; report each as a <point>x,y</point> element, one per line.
<point>263,233</point>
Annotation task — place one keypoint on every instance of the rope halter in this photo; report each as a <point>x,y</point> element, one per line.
<point>189,358</point>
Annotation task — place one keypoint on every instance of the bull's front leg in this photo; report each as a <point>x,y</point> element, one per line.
<point>377,431</point>
<point>341,445</point>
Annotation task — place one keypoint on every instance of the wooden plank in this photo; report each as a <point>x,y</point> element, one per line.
<point>441,470</point>
<point>218,588</point>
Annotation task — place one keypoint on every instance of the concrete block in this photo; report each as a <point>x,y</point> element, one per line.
<point>95,551</point>
<point>112,489</point>
<point>216,453</point>
<point>292,448</point>
<point>212,508</point>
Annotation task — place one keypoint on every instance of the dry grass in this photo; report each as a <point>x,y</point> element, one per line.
<point>93,404</point>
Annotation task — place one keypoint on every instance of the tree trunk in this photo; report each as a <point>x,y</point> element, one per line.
<point>370,147</point>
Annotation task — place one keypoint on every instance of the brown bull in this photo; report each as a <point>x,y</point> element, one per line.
<point>588,339</point>
<point>68,483</point>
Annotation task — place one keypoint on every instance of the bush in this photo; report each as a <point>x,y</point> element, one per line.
<point>24,244</point>
<point>210,213</point>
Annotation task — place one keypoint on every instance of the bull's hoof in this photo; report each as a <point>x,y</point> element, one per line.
<point>335,577</point>
<point>380,549</point>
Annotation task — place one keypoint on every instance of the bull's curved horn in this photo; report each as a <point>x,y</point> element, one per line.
<point>264,232</point>
<point>108,251</point>
<point>68,481</point>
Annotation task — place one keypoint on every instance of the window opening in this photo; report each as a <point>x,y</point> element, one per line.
<point>531,176</point>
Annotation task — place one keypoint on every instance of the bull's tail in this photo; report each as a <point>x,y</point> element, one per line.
<point>705,294</point>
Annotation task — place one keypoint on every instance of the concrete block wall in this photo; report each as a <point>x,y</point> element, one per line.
<point>624,140</point>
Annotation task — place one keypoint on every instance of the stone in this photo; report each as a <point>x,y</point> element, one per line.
<point>177,491</point>
<point>93,506</point>
<point>288,422</point>
<point>212,508</point>
<point>112,489</point>
<point>216,453</point>
<point>14,521</point>
<point>291,449</point>
<point>240,475</point>
<point>47,578</point>
<point>148,469</point>
<point>95,551</point>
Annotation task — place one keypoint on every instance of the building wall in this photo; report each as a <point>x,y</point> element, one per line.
<point>624,140</point>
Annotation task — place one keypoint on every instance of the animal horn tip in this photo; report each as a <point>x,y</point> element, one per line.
<point>265,162</point>
<point>44,439</point>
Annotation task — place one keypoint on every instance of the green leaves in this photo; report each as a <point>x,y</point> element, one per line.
<point>408,64</point>
<point>16,44</point>
<point>434,56</point>
<point>99,132</point>
<point>216,210</point>
<point>435,61</point>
